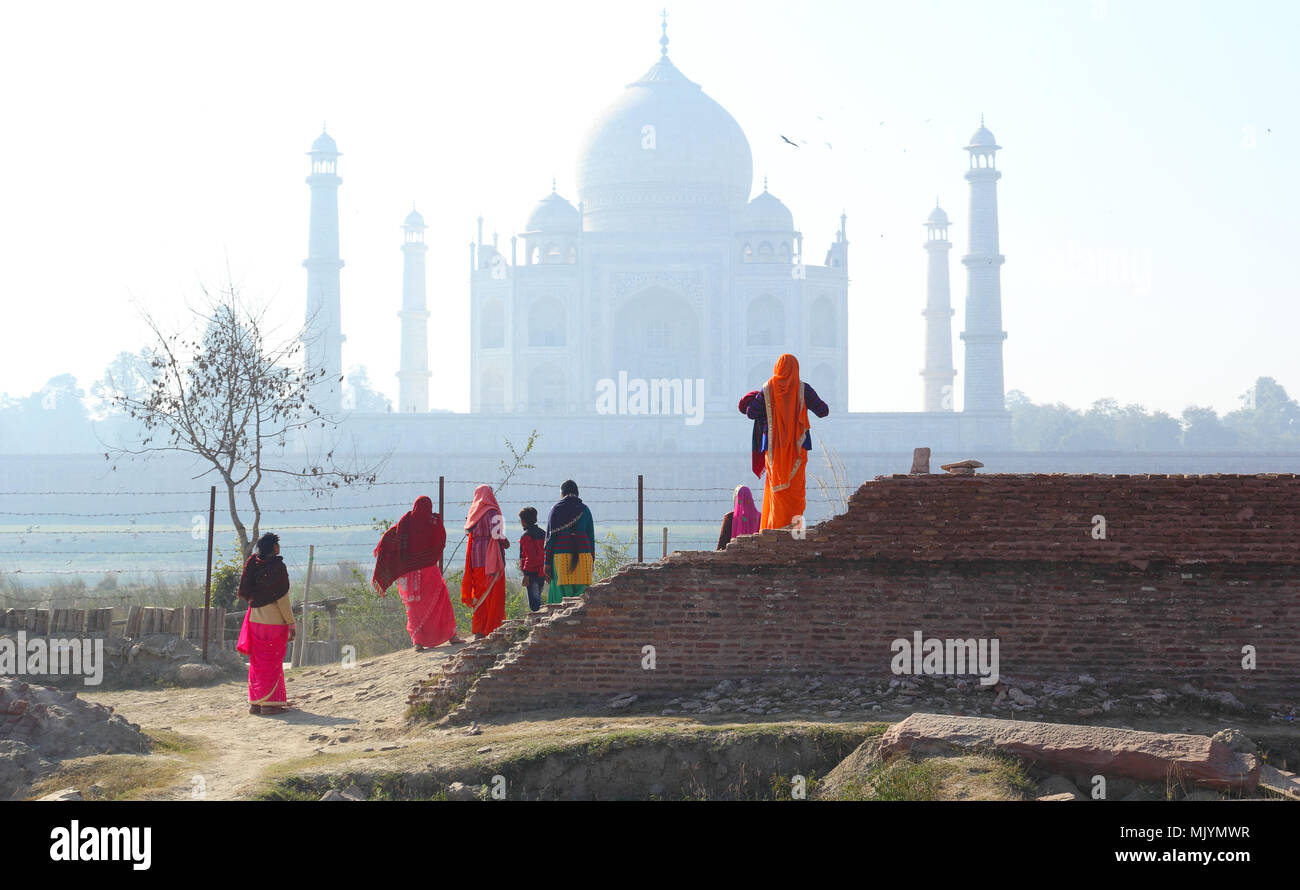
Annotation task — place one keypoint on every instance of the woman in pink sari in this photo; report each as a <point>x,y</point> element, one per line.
<point>410,553</point>
<point>268,626</point>
<point>744,518</point>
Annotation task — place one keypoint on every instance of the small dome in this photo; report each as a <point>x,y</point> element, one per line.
<point>983,138</point>
<point>324,144</point>
<point>766,213</point>
<point>937,217</point>
<point>414,220</point>
<point>553,214</point>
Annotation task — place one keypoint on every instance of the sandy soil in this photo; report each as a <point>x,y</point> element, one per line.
<point>339,710</point>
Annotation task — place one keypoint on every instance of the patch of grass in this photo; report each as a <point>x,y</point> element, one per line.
<point>976,776</point>
<point>117,777</point>
<point>165,741</point>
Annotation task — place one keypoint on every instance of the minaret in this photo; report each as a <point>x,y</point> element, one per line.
<point>324,329</point>
<point>983,335</point>
<point>413,378</point>
<point>938,372</point>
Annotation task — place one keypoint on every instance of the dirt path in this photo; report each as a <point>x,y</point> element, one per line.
<point>340,710</point>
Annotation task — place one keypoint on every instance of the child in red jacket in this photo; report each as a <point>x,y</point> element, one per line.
<point>532,557</point>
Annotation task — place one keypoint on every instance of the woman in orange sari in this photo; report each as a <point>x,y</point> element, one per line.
<point>783,434</point>
<point>483,586</point>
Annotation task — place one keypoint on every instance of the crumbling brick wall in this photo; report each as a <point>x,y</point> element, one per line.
<point>1191,570</point>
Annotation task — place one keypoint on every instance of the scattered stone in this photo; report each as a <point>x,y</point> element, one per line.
<point>63,794</point>
<point>1020,698</point>
<point>1089,750</point>
<point>621,701</point>
<point>962,467</point>
<point>1064,795</point>
<point>352,792</point>
<point>1055,785</point>
<point>1236,740</point>
<point>920,461</point>
<point>198,674</point>
<point>461,791</point>
<point>332,794</point>
<point>485,749</point>
<point>1280,781</point>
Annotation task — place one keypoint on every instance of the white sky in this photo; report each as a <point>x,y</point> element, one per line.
<point>1148,201</point>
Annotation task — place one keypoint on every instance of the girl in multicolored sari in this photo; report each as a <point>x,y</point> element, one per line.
<point>570,546</point>
<point>268,626</point>
<point>410,553</point>
<point>483,586</point>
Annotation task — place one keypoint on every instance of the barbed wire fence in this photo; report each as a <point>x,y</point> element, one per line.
<point>30,537</point>
<point>139,559</point>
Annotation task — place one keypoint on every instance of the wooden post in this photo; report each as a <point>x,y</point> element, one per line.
<point>207,585</point>
<point>299,644</point>
<point>665,542</point>
<point>640,518</point>
<point>441,507</point>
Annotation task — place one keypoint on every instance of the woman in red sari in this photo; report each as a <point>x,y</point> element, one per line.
<point>268,626</point>
<point>409,553</point>
<point>483,586</point>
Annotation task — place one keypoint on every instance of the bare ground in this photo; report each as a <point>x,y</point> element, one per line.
<point>209,747</point>
<point>343,711</point>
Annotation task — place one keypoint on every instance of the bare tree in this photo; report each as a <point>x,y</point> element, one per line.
<point>235,402</point>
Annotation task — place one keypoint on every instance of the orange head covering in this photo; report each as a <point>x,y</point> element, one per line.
<point>787,422</point>
<point>484,500</point>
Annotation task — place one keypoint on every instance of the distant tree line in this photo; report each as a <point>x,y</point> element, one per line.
<point>62,418</point>
<point>1268,420</point>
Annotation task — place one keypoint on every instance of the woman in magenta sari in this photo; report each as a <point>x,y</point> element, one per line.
<point>743,519</point>
<point>268,626</point>
<point>409,553</point>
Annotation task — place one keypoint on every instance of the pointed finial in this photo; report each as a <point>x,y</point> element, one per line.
<point>552,185</point>
<point>764,183</point>
<point>981,118</point>
<point>936,202</point>
<point>663,40</point>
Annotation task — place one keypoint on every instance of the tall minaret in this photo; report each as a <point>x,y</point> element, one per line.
<point>983,334</point>
<point>413,378</point>
<point>324,330</point>
<point>938,372</point>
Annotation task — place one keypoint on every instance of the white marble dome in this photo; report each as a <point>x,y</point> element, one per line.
<point>324,144</point>
<point>983,138</point>
<point>767,213</point>
<point>664,155</point>
<point>553,214</point>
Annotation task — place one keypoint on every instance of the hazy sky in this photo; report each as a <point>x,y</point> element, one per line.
<point>1148,202</point>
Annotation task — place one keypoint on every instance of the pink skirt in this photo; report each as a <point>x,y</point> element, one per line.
<point>429,617</point>
<point>265,645</point>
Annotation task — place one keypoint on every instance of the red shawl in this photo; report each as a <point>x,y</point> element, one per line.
<point>415,542</point>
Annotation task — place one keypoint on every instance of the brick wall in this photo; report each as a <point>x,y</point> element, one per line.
<point>1191,570</point>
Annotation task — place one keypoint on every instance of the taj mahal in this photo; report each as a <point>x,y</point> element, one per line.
<point>632,318</point>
